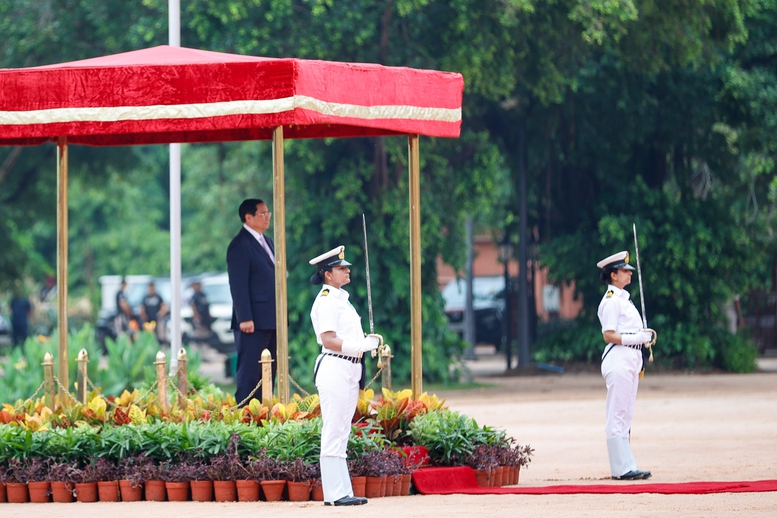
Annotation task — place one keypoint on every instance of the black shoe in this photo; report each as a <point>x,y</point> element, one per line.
<point>646,474</point>
<point>634,474</point>
<point>348,500</point>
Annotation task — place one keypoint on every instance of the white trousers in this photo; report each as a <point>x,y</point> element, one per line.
<point>620,369</point>
<point>337,382</point>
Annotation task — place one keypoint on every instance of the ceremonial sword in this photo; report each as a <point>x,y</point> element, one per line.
<point>642,294</point>
<point>367,267</point>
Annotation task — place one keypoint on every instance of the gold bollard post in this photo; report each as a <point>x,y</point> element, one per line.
<point>161,378</point>
<point>386,374</point>
<point>183,383</point>
<point>48,377</point>
<point>266,362</point>
<point>83,361</point>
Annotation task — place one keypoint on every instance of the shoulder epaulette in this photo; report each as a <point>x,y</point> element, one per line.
<point>325,292</point>
<point>610,293</point>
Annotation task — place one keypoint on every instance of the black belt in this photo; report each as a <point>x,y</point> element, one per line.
<point>612,346</point>
<point>351,359</point>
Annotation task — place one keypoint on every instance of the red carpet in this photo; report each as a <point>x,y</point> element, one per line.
<point>461,480</point>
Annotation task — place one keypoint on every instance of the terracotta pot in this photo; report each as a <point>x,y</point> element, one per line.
<point>247,490</point>
<point>40,492</point>
<point>373,487</point>
<point>298,491</point>
<point>129,493</point>
<point>202,490</point>
<point>397,485</point>
<point>86,492</point>
<point>500,476</point>
<point>177,491</point>
<point>155,491</point>
<point>108,490</point>
<point>17,493</point>
<point>272,489</point>
<point>224,491</point>
<point>3,494</point>
<point>407,480</point>
<point>359,485</point>
<point>62,492</point>
<point>317,491</point>
<point>483,477</point>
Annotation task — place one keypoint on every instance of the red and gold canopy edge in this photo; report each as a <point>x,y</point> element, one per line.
<point>176,94</point>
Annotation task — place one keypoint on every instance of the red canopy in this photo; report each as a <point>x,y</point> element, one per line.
<point>173,94</point>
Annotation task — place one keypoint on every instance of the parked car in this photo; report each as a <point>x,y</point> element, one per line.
<point>488,305</point>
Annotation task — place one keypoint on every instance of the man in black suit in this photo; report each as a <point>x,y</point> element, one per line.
<point>251,268</point>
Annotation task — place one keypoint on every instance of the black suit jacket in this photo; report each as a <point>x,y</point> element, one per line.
<point>251,281</point>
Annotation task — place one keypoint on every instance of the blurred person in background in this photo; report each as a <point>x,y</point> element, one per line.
<point>153,311</point>
<point>201,318</point>
<point>21,310</point>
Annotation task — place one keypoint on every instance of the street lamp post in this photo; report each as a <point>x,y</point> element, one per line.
<point>505,252</point>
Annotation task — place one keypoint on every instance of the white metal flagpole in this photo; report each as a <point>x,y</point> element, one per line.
<point>174,35</point>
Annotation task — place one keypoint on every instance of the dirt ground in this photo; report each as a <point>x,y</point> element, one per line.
<point>717,427</point>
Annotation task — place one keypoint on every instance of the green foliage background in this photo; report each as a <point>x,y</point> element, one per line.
<point>659,113</point>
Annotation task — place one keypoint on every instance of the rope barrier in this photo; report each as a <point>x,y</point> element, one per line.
<point>29,399</point>
<point>305,393</point>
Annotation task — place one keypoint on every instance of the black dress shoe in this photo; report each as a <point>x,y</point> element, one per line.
<point>348,500</point>
<point>634,474</point>
<point>646,474</point>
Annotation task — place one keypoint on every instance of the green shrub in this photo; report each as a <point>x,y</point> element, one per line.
<point>737,352</point>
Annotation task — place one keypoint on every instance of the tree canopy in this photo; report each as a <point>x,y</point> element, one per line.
<point>655,113</point>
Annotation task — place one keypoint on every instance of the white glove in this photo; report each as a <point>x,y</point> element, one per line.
<point>640,337</point>
<point>354,347</point>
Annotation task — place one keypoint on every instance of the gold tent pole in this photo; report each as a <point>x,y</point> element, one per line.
<point>414,168</point>
<point>281,317</point>
<point>62,372</point>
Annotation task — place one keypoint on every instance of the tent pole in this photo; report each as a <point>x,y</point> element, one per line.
<point>414,168</point>
<point>281,317</point>
<point>62,281</point>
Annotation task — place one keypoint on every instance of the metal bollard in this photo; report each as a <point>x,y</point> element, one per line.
<point>161,379</point>
<point>266,362</point>
<point>386,374</point>
<point>48,383</point>
<point>83,362</point>
<point>183,382</point>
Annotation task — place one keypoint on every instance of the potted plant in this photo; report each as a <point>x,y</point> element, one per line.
<point>86,478</point>
<point>16,484</point>
<point>176,474</point>
<point>135,470</point>
<point>36,471</point>
<point>144,470</point>
<point>107,473</point>
<point>376,473</point>
<point>224,470</point>
<point>3,476</point>
<point>275,483</point>
<point>257,469</point>
<point>200,483</point>
<point>482,460</point>
<point>62,477</point>
<point>299,476</point>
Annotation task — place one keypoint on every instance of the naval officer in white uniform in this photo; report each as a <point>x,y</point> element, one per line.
<point>338,370</point>
<point>621,363</point>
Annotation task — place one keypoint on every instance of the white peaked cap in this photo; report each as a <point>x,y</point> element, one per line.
<point>619,260</point>
<point>337,254</point>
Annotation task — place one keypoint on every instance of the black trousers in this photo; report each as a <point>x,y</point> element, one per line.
<point>249,351</point>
